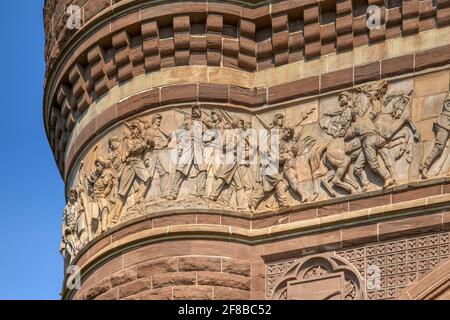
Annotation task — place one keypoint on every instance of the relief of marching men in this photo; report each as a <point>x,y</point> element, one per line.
<point>208,157</point>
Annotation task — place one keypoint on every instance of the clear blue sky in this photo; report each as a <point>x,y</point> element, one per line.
<point>31,190</point>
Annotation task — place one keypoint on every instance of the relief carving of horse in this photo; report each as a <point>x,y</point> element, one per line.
<point>331,163</point>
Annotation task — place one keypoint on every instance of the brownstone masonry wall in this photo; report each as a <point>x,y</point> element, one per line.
<point>251,38</point>
<point>320,27</point>
<point>253,60</point>
<point>201,270</point>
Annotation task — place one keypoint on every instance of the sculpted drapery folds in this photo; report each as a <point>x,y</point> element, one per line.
<point>441,129</point>
<point>212,140</point>
<point>277,176</point>
<point>154,159</point>
<point>363,128</point>
<point>115,159</point>
<point>270,177</point>
<point>100,184</point>
<point>74,233</point>
<point>352,146</point>
<point>369,129</point>
<point>134,175</point>
<point>190,153</point>
<point>232,174</point>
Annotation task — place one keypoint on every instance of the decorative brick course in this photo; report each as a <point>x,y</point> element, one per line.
<point>215,42</point>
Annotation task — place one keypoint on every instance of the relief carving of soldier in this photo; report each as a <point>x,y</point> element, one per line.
<point>212,140</point>
<point>115,159</point>
<point>232,174</point>
<point>363,128</point>
<point>370,128</point>
<point>376,93</point>
<point>289,149</point>
<point>270,177</point>
<point>134,175</point>
<point>100,184</point>
<point>190,153</point>
<point>74,233</point>
<point>245,184</point>
<point>115,154</point>
<point>155,159</point>
<point>228,165</point>
<point>339,157</point>
<point>441,129</point>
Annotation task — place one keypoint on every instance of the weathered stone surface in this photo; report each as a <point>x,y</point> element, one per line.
<point>158,294</point>
<point>192,293</point>
<point>362,173</point>
<point>225,293</point>
<point>99,288</point>
<point>199,264</point>
<point>112,294</point>
<point>155,267</point>
<point>134,287</point>
<point>123,277</point>
<point>236,267</point>
<point>174,279</point>
<point>223,279</point>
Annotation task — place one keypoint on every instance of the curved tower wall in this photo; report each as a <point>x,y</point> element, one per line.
<point>357,206</point>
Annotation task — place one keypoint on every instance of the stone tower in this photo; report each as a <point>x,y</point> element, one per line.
<point>155,111</point>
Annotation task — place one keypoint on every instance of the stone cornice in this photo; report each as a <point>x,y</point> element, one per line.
<point>90,89</point>
<point>146,94</point>
<point>418,207</point>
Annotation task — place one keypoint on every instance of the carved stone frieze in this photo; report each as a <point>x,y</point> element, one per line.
<point>441,129</point>
<point>205,156</point>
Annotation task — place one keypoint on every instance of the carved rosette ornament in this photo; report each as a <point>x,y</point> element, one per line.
<point>320,277</point>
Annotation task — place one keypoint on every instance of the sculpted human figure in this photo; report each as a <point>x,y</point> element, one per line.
<point>271,178</point>
<point>363,128</point>
<point>231,175</point>
<point>115,159</point>
<point>333,122</point>
<point>190,153</point>
<point>333,163</point>
<point>376,93</point>
<point>363,115</point>
<point>288,155</point>
<point>154,159</point>
<point>74,235</point>
<point>211,138</point>
<point>442,129</point>
<point>100,184</point>
<point>353,146</point>
<point>115,154</point>
<point>400,115</point>
<point>243,171</point>
<point>228,166</point>
<point>134,170</point>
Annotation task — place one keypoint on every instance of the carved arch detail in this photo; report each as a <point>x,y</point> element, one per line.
<point>320,277</point>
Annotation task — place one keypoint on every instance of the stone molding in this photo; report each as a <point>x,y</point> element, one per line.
<point>431,209</point>
<point>111,185</point>
<point>361,170</point>
<point>103,115</point>
<point>82,83</point>
<point>395,22</point>
<point>433,286</point>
